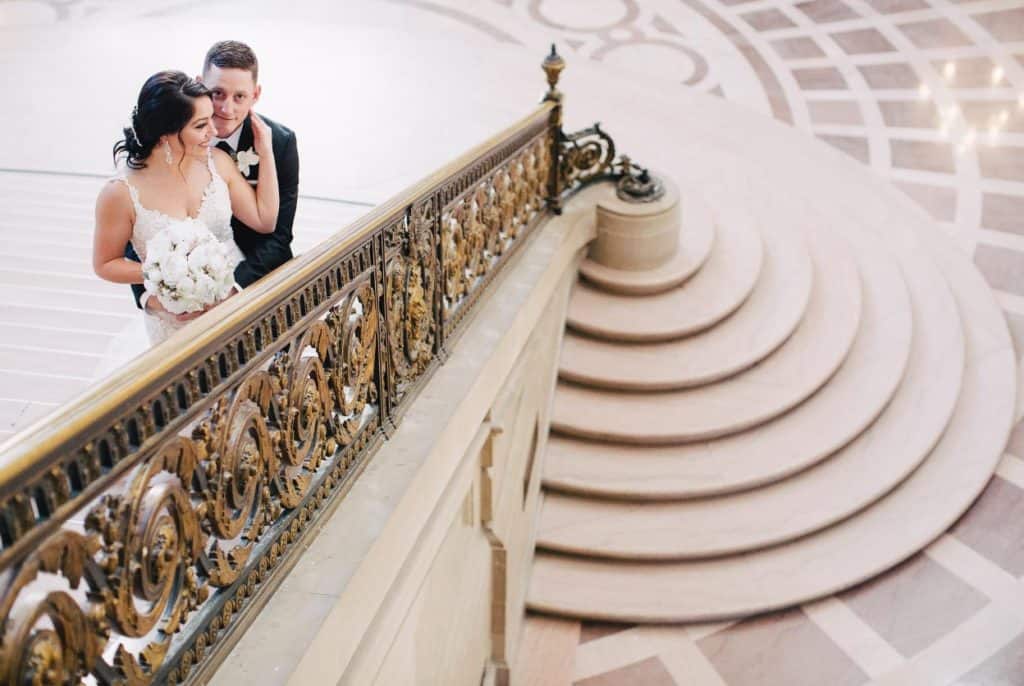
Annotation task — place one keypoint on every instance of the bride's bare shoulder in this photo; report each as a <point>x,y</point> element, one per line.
<point>222,160</point>
<point>114,195</point>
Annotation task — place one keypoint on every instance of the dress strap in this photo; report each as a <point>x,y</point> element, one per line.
<point>214,176</point>
<point>121,178</point>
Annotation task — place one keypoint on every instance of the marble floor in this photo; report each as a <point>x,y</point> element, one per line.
<point>928,94</point>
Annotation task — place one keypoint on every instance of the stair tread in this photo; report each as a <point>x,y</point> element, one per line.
<point>762,323</point>
<point>782,381</point>
<point>723,283</point>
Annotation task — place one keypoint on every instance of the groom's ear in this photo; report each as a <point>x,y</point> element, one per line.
<point>256,92</point>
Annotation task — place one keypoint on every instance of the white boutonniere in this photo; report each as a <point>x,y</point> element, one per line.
<point>246,159</point>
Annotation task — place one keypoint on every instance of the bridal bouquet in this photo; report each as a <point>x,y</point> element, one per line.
<point>187,268</point>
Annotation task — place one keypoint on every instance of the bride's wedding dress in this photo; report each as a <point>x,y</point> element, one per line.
<point>148,330</point>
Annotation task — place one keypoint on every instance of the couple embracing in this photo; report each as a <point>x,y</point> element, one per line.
<point>204,202</point>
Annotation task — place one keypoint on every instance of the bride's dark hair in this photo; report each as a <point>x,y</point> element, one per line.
<point>165,106</point>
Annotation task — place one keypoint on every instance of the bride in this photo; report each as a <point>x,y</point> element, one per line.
<point>172,174</point>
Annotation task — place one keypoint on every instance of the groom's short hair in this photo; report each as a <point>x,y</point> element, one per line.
<point>232,54</point>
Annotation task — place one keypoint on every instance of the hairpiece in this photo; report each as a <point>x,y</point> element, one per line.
<point>131,126</point>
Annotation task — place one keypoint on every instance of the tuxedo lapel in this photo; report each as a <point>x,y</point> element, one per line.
<point>245,138</point>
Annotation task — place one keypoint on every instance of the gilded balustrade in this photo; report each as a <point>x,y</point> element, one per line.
<point>143,525</point>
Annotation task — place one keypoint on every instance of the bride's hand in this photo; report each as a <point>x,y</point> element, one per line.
<point>262,137</point>
<point>157,309</point>
<point>189,316</point>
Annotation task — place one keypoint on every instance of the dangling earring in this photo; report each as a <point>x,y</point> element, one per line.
<point>167,153</point>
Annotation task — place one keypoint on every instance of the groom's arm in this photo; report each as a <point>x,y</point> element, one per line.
<point>137,288</point>
<point>275,249</point>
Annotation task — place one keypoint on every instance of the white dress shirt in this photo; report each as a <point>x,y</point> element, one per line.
<point>231,140</point>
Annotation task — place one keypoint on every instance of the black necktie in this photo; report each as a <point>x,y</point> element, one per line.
<point>226,147</point>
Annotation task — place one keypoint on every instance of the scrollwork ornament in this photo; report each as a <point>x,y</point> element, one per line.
<point>490,213</point>
<point>409,297</point>
<point>240,462</point>
<point>301,409</point>
<point>505,187</point>
<point>585,156</point>
<point>455,248</point>
<point>475,232</point>
<point>523,193</point>
<point>48,638</point>
<point>354,326</point>
<point>151,540</point>
<point>541,168</point>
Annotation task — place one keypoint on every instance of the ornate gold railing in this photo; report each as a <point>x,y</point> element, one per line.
<point>144,524</point>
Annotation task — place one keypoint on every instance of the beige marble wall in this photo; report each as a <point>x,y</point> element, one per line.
<point>467,613</point>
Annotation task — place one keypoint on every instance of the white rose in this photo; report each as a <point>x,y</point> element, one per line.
<point>206,289</point>
<point>174,268</point>
<point>177,233</point>
<point>198,258</point>
<point>172,304</point>
<point>186,286</point>
<point>221,266</point>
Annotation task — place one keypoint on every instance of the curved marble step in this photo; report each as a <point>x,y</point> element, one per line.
<point>827,421</point>
<point>721,286</point>
<point>860,473</point>
<point>785,379</point>
<point>767,318</point>
<point>696,238</point>
<point>847,553</point>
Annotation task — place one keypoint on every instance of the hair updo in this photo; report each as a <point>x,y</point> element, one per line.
<point>165,106</point>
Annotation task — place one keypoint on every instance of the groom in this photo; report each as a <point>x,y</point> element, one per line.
<point>230,71</point>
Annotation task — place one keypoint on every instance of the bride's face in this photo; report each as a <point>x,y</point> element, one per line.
<point>198,132</point>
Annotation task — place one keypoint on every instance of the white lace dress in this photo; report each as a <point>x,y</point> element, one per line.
<point>214,212</point>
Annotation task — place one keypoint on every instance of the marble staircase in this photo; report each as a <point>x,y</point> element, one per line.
<point>799,398</point>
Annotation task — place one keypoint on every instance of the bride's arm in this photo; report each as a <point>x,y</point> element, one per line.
<point>113,232</point>
<point>257,209</point>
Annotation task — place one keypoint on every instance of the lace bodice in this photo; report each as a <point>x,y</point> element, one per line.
<point>214,212</point>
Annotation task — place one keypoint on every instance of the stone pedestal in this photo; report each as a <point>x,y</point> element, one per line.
<point>634,236</point>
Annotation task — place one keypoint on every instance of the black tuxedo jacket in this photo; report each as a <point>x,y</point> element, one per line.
<point>264,252</point>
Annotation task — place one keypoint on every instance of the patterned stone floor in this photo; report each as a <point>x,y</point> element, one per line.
<point>927,93</point>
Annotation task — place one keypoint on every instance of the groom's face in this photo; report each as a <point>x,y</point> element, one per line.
<point>234,93</point>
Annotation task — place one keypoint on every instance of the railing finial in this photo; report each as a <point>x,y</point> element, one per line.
<point>553,65</point>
